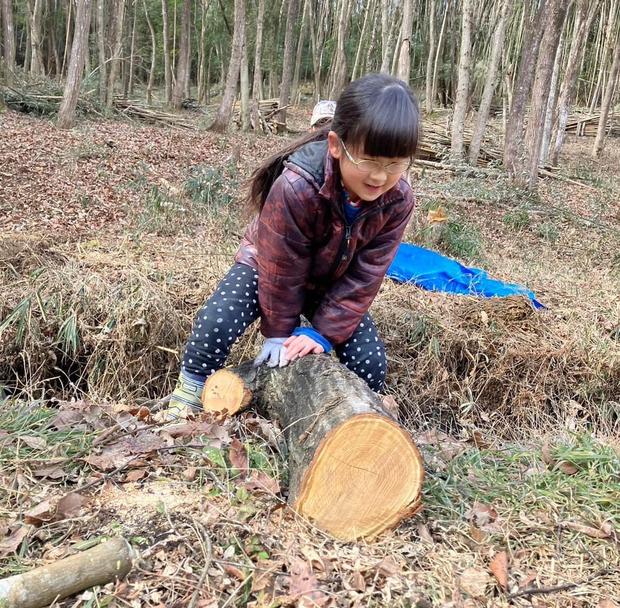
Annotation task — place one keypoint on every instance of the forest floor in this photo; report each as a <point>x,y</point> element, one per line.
<point>114,233</point>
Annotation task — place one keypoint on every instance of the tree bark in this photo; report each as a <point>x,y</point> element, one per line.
<point>117,46</point>
<point>586,12</point>
<point>428,102</point>
<point>257,82</point>
<point>183,67</point>
<point>48,584</point>
<point>149,85</point>
<point>300,48</point>
<point>66,113</point>
<point>202,52</point>
<point>8,30</point>
<point>244,87</point>
<point>457,148</point>
<point>339,72</point>
<point>556,12</point>
<point>550,113</point>
<point>513,144</point>
<point>368,14</point>
<point>166,45</point>
<point>287,64</point>
<point>132,51</point>
<point>438,52</point>
<point>224,112</point>
<point>599,141</point>
<point>353,471</point>
<point>101,38</point>
<point>35,12</point>
<point>406,30</point>
<point>489,85</point>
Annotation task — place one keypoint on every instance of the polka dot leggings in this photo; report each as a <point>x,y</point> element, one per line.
<point>234,306</point>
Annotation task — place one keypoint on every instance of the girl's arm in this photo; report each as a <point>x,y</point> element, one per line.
<point>350,297</point>
<point>283,246</point>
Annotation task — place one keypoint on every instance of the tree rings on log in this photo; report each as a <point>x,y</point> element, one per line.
<point>364,478</point>
<point>225,393</point>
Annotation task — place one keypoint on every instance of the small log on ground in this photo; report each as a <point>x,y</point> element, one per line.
<point>58,580</point>
<point>354,471</point>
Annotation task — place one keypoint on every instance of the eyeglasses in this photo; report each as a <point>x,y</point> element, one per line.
<point>369,166</point>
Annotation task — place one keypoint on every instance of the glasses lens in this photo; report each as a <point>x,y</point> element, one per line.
<point>395,168</point>
<point>369,166</point>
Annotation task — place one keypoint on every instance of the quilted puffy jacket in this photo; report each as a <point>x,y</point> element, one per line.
<point>309,259</point>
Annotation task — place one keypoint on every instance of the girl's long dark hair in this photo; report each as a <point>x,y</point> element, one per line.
<point>378,114</point>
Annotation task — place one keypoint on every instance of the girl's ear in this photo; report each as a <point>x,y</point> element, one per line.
<point>333,144</point>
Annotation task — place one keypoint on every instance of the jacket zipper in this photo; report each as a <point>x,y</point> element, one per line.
<point>343,250</point>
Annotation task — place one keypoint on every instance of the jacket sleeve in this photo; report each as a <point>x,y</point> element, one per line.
<point>283,245</point>
<point>348,299</point>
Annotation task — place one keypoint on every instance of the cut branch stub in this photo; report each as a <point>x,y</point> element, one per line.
<point>353,470</point>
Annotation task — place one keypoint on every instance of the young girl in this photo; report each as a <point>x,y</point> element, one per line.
<point>332,209</point>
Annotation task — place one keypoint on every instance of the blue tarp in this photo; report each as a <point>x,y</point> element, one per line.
<point>435,272</point>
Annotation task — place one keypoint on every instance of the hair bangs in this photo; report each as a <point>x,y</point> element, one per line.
<point>390,129</point>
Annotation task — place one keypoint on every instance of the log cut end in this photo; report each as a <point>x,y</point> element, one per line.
<point>365,478</point>
<point>225,393</point>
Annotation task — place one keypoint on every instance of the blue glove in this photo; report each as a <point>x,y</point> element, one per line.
<point>274,353</point>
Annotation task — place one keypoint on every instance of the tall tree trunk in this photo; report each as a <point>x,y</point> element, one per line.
<point>372,44</point>
<point>117,46</point>
<point>68,29</point>
<point>316,66</point>
<point>607,47</point>
<point>489,85</point>
<point>586,12</point>
<point>300,49</point>
<point>429,60</point>
<point>66,113</point>
<point>287,64</point>
<point>183,58</point>
<point>224,112</point>
<point>550,113</point>
<point>8,30</point>
<point>35,13</point>
<point>149,86</point>
<point>132,51</point>
<point>368,14</point>
<point>599,141</point>
<point>166,44</point>
<point>103,62</point>
<point>457,148</point>
<point>389,42</point>
<point>201,53</point>
<point>556,12</point>
<point>513,154</point>
<point>339,73</point>
<point>406,30</point>
<point>257,83</point>
<point>244,87</point>
<point>438,51</point>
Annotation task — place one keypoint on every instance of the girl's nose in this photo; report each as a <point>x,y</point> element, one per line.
<point>379,174</point>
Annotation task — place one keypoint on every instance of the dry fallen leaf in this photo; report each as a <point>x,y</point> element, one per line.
<point>70,505</point>
<point>261,482</point>
<point>388,566</point>
<point>358,582</point>
<point>36,443</point>
<point>481,515</point>
<point>135,475</point>
<point>234,572</point>
<point>11,543</point>
<point>238,456</point>
<point>499,569</point>
<point>605,531</point>
<point>51,472</point>
<point>437,216</point>
<point>474,582</point>
<point>304,585</point>
<point>42,512</point>
<point>606,603</point>
<point>568,468</point>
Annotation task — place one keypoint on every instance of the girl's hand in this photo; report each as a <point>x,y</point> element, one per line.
<point>300,346</point>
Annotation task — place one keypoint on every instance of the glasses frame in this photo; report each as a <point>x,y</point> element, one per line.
<point>374,163</point>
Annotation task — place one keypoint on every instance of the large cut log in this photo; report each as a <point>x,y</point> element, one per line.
<point>354,471</point>
<point>48,584</point>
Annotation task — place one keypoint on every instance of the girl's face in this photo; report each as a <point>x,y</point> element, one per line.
<point>367,181</point>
